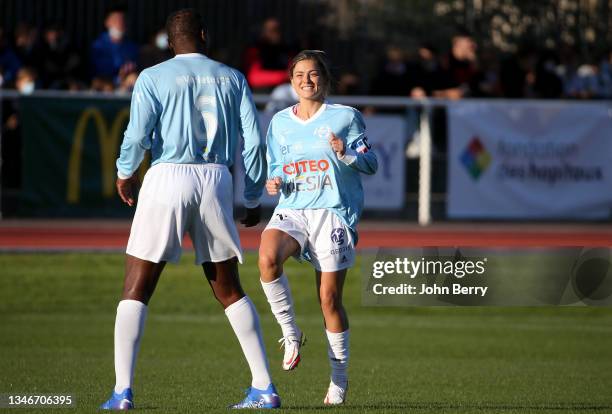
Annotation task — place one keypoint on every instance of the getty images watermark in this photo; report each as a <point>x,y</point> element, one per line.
<point>488,277</point>
<point>413,269</point>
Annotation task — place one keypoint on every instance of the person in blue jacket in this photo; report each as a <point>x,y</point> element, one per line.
<point>112,54</point>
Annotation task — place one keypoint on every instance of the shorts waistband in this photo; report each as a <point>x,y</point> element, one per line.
<point>202,165</point>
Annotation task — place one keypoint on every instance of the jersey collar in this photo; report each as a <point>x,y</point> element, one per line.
<point>189,55</point>
<point>309,120</point>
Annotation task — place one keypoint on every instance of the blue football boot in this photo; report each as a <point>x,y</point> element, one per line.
<point>121,401</point>
<point>255,398</point>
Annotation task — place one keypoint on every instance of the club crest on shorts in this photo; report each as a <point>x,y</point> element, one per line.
<point>337,236</point>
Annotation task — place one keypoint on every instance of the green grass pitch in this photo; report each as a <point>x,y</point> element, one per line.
<point>57,315</point>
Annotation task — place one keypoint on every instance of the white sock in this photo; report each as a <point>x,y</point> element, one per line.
<point>243,317</point>
<point>131,315</point>
<point>338,353</point>
<point>279,297</point>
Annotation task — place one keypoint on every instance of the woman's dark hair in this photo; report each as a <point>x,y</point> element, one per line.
<point>320,58</point>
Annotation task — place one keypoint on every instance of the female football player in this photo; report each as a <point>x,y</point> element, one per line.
<point>316,152</point>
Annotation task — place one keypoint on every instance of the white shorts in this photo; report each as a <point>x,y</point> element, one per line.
<point>179,198</point>
<point>324,239</point>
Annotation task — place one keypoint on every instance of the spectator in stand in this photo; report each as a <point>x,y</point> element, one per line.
<point>605,68</point>
<point>349,83</point>
<point>10,145</point>
<point>267,62</point>
<point>102,84</point>
<point>25,84</point>
<point>9,62</point>
<point>459,76</point>
<point>112,55</point>
<point>26,45</point>
<point>156,51</point>
<point>543,80</point>
<point>488,73</point>
<point>426,69</point>
<point>512,76</point>
<point>25,81</point>
<point>393,77</point>
<point>60,66</point>
<point>590,81</point>
<point>127,82</point>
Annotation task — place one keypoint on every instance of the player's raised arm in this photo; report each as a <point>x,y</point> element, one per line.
<point>144,114</point>
<point>254,153</point>
<point>358,153</point>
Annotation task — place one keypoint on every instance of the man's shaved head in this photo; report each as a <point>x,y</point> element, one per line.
<point>185,27</point>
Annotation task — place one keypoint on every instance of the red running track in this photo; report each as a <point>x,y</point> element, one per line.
<point>92,235</point>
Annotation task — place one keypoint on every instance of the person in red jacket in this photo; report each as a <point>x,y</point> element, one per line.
<point>267,61</point>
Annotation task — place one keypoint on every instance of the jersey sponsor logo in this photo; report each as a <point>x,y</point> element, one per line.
<point>301,167</point>
<point>362,145</point>
<point>201,80</point>
<point>295,148</point>
<point>302,182</point>
<point>310,183</point>
<point>285,149</point>
<point>323,131</point>
<point>337,236</point>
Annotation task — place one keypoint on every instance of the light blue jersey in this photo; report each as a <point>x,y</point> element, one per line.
<point>193,110</point>
<point>313,176</point>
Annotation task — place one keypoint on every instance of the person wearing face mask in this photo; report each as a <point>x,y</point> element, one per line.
<point>25,82</point>
<point>156,51</point>
<point>111,53</point>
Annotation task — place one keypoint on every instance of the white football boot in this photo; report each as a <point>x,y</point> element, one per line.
<point>336,395</point>
<point>292,351</point>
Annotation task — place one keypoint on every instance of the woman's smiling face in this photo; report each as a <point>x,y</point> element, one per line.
<point>306,80</point>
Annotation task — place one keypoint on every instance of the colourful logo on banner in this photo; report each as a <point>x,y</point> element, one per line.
<point>475,158</point>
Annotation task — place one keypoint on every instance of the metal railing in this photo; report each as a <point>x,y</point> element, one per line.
<point>403,105</point>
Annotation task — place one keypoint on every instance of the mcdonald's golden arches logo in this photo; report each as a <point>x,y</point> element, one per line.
<point>108,140</point>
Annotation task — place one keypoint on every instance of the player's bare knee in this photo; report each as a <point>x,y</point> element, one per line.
<point>268,264</point>
<point>136,294</point>
<point>227,292</point>
<point>228,298</point>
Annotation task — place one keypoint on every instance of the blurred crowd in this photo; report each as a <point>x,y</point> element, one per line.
<point>466,71</point>
<point>33,58</point>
